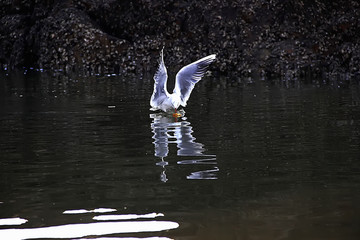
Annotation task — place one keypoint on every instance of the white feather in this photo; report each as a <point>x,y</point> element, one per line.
<point>186,79</point>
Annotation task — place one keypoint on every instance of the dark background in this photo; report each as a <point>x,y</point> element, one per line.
<point>284,38</point>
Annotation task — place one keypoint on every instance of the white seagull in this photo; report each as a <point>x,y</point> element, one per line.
<point>186,79</point>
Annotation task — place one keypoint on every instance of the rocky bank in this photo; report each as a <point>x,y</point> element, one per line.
<point>288,38</point>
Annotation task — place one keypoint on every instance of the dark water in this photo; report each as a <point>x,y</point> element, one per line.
<point>85,158</point>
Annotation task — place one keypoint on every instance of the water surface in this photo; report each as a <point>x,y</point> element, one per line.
<point>85,158</point>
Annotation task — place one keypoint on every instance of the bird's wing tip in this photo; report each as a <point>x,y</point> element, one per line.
<point>212,56</point>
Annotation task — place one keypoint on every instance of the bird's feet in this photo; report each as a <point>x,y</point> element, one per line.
<point>176,114</point>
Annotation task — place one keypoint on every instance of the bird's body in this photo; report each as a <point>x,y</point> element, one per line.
<point>186,79</point>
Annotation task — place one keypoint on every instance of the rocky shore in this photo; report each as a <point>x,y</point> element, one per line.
<point>284,38</point>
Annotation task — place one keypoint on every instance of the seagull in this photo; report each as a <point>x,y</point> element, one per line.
<point>186,79</point>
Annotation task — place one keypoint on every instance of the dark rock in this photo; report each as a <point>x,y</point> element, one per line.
<point>267,38</point>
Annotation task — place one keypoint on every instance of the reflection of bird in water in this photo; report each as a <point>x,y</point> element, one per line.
<point>167,130</point>
<point>186,79</point>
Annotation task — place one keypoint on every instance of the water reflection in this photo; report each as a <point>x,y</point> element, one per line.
<point>169,130</point>
<point>87,229</point>
<point>127,216</point>
<point>289,160</point>
<point>12,221</point>
<point>97,210</point>
<point>110,224</point>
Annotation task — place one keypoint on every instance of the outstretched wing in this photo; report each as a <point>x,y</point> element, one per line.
<point>160,78</point>
<point>189,75</point>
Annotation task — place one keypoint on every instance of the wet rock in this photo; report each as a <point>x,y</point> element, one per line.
<point>268,38</point>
